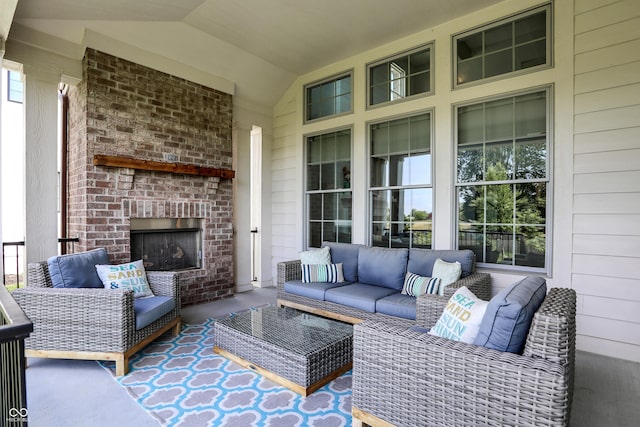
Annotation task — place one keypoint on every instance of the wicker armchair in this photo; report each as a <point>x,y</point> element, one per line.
<point>89,323</point>
<point>404,377</point>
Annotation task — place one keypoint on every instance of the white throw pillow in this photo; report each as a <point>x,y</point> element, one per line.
<point>461,318</point>
<point>125,276</point>
<point>447,272</point>
<point>316,256</point>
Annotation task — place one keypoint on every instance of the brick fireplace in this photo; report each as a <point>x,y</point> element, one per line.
<point>127,110</point>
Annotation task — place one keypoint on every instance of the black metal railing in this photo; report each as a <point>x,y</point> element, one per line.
<point>15,327</point>
<point>5,255</point>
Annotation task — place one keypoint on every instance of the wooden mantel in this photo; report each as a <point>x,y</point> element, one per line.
<point>150,165</point>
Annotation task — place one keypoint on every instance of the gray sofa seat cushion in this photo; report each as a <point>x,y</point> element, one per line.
<point>77,270</point>
<point>347,254</point>
<point>358,295</point>
<point>506,322</point>
<point>421,260</point>
<point>150,309</point>
<point>382,267</point>
<point>397,305</point>
<point>313,290</point>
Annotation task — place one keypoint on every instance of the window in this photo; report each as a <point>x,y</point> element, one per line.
<point>400,77</point>
<point>508,46</point>
<point>329,188</point>
<point>503,180</point>
<point>328,98</point>
<point>15,87</point>
<point>400,182</point>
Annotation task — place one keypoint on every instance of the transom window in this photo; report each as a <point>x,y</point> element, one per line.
<point>503,180</point>
<point>328,192</point>
<point>518,43</point>
<point>401,197</point>
<point>328,98</point>
<point>400,77</point>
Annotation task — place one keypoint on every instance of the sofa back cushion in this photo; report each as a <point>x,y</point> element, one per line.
<point>382,267</point>
<point>506,323</point>
<point>347,254</point>
<point>77,270</point>
<point>421,260</point>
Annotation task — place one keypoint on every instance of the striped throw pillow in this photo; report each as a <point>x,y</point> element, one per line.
<point>415,285</point>
<point>322,273</point>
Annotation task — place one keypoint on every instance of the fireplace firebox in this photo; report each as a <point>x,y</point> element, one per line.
<point>167,244</point>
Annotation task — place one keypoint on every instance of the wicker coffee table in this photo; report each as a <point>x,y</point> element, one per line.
<point>298,350</point>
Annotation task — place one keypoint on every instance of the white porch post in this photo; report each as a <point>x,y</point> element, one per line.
<point>41,180</point>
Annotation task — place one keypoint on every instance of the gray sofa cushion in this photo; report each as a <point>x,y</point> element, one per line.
<point>397,305</point>
<point>347,254</point>
<point>382,266</point>
<point>77,270</point>
<point>421,260</point>
<point>358,295</point>
<point>313,290</point>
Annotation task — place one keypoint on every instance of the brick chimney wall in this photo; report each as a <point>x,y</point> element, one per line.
<point>124,109</point>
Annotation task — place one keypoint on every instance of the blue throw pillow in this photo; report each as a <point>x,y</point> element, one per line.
<point>506,322</point>
<point>77,270</point>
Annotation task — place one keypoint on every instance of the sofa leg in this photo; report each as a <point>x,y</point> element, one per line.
<point>176,328</point>
<point>122,365</point>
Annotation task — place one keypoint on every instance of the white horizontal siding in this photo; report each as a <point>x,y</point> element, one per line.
<point>621,225</point>
<point>606,202</point>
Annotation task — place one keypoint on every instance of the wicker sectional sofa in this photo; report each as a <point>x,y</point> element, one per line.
<point>373,283</point>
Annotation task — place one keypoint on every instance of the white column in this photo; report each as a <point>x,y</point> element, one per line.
<point>41,180</point>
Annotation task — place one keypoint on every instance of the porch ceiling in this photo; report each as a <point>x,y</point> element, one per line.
<point>269,42</point>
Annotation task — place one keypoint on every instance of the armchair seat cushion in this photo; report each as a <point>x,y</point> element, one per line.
<point>313,290</point>
<point>150,309</point>
<point>358,295</point>
<point>397,305</point>
<point>77,270</point>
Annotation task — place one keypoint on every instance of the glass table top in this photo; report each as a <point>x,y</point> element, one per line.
<point>294,330</point>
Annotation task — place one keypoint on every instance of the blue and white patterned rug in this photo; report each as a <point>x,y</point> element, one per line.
<point>180,381</point>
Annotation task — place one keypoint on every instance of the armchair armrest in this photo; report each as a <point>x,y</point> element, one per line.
<point>81,319</point>
<point>429,307</point>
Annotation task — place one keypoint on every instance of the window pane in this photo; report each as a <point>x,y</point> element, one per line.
<point>380,205</point>
<point>531,114</point>
<point>419,128</point>
<point>399,77</point>
<point>531,247</point>
<point>531,28</point>
<point>499,204</point>
<point>470,163</point>
<point>313,177</point>
<point>470,46</point>
<point>397,169</point>
<point>498,38</point>
<point>379,235</point>
<point>530,55</point>
<point>469,71</point>
<point>499,119</point>
<point>329,147</point>
<point>419,170</point>
<point>499,161</point>
<point>531,159</point>
<point>329,231</point>
<point>328,98</point>
<point>315,234</point>
<point>380,139</point>
<point>379,172</point>
<point>344,206</point>
<point>399,136</point>
<point>329,210</point>
<point>471,206</point>
<point>498,247</point>
<point>315,207</point>
<point>531,203</point>
<point>328,176</point>
<point>498,63</point>
<point>470,124</point>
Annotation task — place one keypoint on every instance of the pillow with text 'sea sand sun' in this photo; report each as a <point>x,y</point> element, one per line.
<point>126,276</point>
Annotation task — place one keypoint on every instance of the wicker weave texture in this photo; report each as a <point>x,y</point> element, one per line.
<point>410,378</point>
<point>287,346</point>
<point>85,319</point>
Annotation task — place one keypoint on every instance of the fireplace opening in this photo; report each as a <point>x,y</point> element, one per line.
<point>167,244</point>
